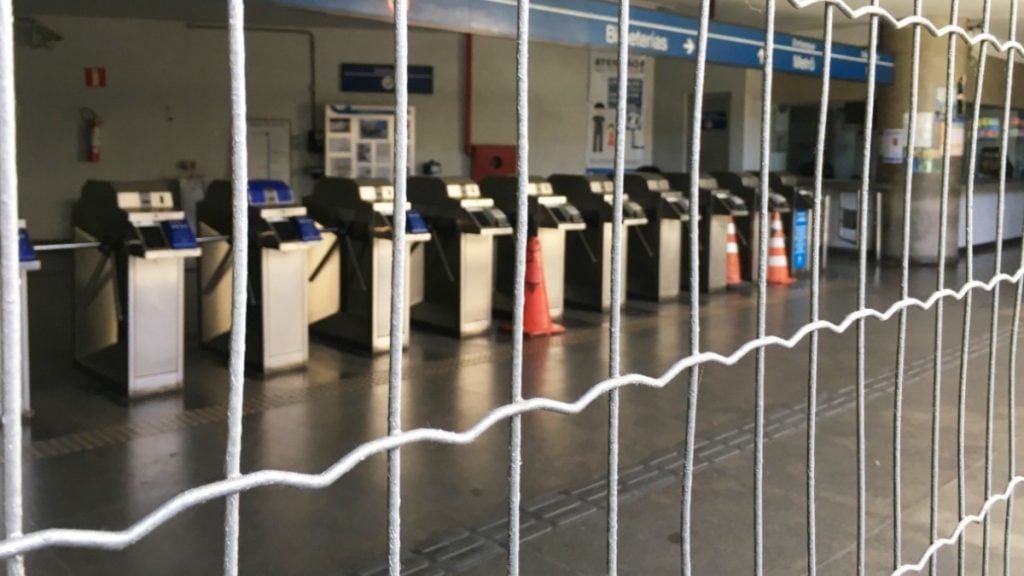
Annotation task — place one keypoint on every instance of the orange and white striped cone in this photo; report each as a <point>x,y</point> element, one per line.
<point>778,262</point>
<point>733,273</point>
<point>536,311</point>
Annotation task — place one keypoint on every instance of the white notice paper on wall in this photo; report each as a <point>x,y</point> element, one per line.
<point>924,134</point>
<point>956,139</point>
<point>893,141</point>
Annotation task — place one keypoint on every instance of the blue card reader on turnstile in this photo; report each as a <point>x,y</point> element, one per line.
<point>414,222</point>
<point>179,234</point>
<point>26,253</point>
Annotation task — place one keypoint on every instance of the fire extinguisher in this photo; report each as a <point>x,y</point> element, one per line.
<point>93,123</point>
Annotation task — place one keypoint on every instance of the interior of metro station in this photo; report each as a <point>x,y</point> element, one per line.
<point>125,199</point>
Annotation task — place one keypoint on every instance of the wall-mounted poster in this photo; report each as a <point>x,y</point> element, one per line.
<point>604,92</point>
<point>359,141</point>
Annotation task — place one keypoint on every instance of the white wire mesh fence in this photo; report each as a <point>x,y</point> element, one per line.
<point>996,491</point>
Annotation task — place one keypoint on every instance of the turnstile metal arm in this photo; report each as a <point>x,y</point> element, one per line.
<point>643,241</point>
<point>586,246</point>
<point>355,259</point>
<point>222,269</point>
<point>739,235</point>
<point>444,259</point>
<point>327,256</point>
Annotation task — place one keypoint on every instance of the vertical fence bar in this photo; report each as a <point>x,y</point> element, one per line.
<point>693,392</point>
<point>239,274</point>
<point>994,325</point>
<point>10,289</point>
<point>398,250</point>
<point>940,283</point>
<point>862,281</point>
<point>515,457</point>
<point>615,321</point>
<point>762,285</point>
<point>968,310</point>
<point>901,341</point>
<point>965,338</point>
<point>1011,393</point>
<point>812,376</point>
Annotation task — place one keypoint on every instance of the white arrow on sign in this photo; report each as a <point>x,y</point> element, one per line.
<point>688,46</point>
<point>760,56</point>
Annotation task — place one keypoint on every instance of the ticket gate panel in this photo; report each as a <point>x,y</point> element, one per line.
<point>478,255</point>
<point>129,294</point>
<point>362,316</point>
<point>357,264</point>
<point>285,328</point>
<point>27,262</point>
<point>552,246</point>
<point>458,269</point>
<point>381,302</point>
<point>588,251</point>
<point>670,255</point>
<point>589,255</point>
<point>655,251</point>
<point>279,235</point>
<point>718,235</point>
<point>155,359</point>
<point>551,217</point>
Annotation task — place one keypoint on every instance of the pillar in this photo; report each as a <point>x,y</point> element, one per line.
<point>892,104</point>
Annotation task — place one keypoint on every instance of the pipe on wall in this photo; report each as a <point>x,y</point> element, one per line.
<point>467,97</point>
<point>310,37</point>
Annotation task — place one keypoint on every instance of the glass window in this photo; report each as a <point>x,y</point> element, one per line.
<point>990,124</point>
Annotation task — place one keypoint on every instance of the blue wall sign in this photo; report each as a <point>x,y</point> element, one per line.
<point>381,78</point>
<point>594,23</point>
<point>800,239</point>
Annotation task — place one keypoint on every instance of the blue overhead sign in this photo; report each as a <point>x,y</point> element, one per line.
<point>594,23</point>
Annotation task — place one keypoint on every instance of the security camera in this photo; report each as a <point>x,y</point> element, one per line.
<point>36,35</point>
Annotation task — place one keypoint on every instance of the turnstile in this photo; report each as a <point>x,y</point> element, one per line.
<point>27,262</point>
<point>458,267</point>
<point>799,221</point>
<point>588,254</point>
<point>718,207</point>
<point>550,217</point>
<point>655,249</point>
<point>349,297</point>
<point>277,329</point>
<point>130,293</point>
<point>747,185</point>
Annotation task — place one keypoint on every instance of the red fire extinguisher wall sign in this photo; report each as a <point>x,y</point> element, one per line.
<point>95,77</point>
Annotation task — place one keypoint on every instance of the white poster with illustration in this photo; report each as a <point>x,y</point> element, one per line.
<point>604,86</point>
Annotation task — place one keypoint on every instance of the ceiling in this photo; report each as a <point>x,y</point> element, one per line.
<point>811,19</point>
<point>257,12</point>
<point>806,21</point>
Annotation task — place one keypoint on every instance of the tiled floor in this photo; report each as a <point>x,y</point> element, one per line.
<point>97,462</point>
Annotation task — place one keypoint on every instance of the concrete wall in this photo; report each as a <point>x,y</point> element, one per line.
<point>558,102</point>
<point>167,100</point>
<point>672,109</point>
<point>672,86</point>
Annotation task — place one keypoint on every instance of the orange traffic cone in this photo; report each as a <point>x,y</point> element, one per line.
<point>733,275</point>
<point>778,262</point>
<point>536,311</point>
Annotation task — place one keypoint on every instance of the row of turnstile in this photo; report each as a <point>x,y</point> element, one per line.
<point>324,264</point>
